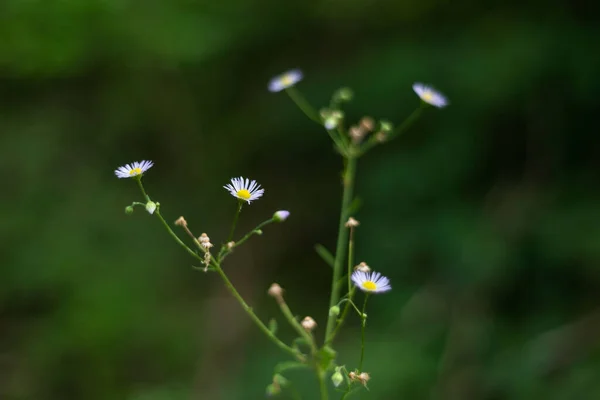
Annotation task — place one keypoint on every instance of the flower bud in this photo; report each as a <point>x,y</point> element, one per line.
<point>351,223</point>
<point>129,210</point>
<point>367,123</point>
<point>344,94</point>
<point>386,126</point>
<point>273,390</point>
<point>362,267</point>
<point>363,378</point>
<point>337,378</point>
<point>181,221</point>
<point>258,231</point>
<point>276,291</point>
<point>308,324</point>
<point>281,215</point>
<point>150,206</point>
<point>334,311</point>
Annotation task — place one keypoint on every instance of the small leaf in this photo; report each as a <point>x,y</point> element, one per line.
<point>325,254</point>
<point>273,326</point>
<point>288,365</point>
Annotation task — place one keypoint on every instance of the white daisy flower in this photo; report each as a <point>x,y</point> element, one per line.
<point>371,282</point>
<point>286,80</point>
<point>430,96</point>
<point>133,169</point>
<point>244,189</point>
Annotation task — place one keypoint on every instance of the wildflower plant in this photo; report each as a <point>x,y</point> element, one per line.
<point>351,142</point>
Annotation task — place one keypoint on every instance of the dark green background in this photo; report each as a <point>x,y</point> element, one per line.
<point>485,215</point>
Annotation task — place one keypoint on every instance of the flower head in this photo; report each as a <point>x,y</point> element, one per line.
<point>286,80</point>
<point>308,324</point>
<point>133,169</point>
<point>429,95</point>
<point>281,215</point>
<point>371,282</point>
<point>244,189</point>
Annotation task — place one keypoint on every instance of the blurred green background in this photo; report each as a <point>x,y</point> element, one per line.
<point>485,215</point>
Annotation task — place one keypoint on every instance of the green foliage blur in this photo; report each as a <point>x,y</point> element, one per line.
<point>485,215</point>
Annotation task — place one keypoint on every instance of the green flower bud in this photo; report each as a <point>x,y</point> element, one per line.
<point>344,94</point>
<point>337,378</point>
<point>150,206</point>
<point>273,390</point>
<point>258,231</point>
<point>129,210</point>
<point>386,126</point>
<point>334,311</point>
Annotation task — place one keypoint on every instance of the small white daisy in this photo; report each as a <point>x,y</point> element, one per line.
<point>430,96</point>
<point>286,80</point>
<point>244,189</point>
<point>133,169</point>
<point>372,282</point>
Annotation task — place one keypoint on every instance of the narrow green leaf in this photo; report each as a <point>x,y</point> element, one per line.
<point>325,254</point>
<point>288,365</point>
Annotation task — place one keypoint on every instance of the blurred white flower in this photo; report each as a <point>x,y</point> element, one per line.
<point>244,189</point>
<point>133,169</point>
<point>286,80</point>
<point>430,95</point>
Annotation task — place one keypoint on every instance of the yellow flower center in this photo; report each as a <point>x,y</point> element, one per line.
<point>369,285</point>
<point>428,96</point>
<point>287,80</point>
<point>135,171</point>
<point>243,194</point>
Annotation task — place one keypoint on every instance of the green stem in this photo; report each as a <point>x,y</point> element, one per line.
<point>303,105</point>
<point>362,333</point>
<point>341,320</point>
<point>139,181</point>
<point>170,231</point>
<point>225,251</point>
<point>349,177</point>
<point>322,384</point>
<point>235,219</point>
<point>296,325</point>
<point>396,132</point>
<point>350,258</point>
<point>296,354</point>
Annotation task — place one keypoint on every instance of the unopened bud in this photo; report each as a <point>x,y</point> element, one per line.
<point>129,210</point>
<point>381,136</point>
<point>352,375</point>
<point>334,311</point>
<point>230,245</point>
<point>308,324</point>
<point>337,378</point>
<point>258,231</point>
<point>150,207</point>
<point>281,215</point>
<point>344,94</point>
<point>356,133</point>
<point>181,221</point>
<point>362,267</point>
<point>273,390</point>
<point>367,123</point>
<point>330,123</point>
<point>351,223</point>
<point>385,126</point>
<point>276,291</point>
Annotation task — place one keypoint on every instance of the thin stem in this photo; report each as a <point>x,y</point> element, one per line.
<point>372,142</point>
<point>255,318</point>
<point>322,385</point>
<point>225,250</point>
<point>139,181</point>
<point>350,258</point>
<point>168,228</point>
<point>303,105</point>
<point>296,325</point>
<point>235,219</point>
<point>342,241</point>
<point>342,319</point>
<point>362,333</point>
